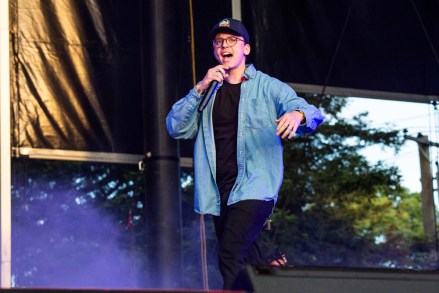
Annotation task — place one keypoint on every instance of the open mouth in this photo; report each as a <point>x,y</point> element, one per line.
<point>227,55</point>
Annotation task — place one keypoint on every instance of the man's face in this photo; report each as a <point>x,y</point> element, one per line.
<point>231,55</point>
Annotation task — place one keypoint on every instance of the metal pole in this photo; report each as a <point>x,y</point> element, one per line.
<point>427,189</point>
<point>236,9</point>
<point>163,215</point>
<point>5,147</point>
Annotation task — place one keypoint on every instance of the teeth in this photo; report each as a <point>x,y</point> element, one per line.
<point>227,55</point>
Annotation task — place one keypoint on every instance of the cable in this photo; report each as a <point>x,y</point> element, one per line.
<point>337,48</point>
<point>191,18</point>
<point>204,253</point>
<point>202,223</point>
<point>425,31</point>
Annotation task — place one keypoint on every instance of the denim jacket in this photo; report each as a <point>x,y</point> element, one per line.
<point>259,150</point>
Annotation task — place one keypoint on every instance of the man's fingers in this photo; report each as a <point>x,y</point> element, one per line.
<point>287,125</point>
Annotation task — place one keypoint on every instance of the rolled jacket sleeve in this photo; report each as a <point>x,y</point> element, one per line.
<point>182,121</point>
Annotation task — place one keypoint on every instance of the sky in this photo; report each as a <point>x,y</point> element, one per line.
<point>416,118</point>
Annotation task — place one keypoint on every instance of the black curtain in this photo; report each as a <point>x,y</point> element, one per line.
<point>76,75</point>
<point>389,46</point>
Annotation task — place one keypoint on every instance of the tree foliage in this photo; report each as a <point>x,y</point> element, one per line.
<point>83,222</point>
<point>75,224</point>
<point>335,208</point>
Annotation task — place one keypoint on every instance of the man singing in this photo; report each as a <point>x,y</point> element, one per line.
<point>238,148</point>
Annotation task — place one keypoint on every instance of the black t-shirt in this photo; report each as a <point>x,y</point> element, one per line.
<point>225,129</point>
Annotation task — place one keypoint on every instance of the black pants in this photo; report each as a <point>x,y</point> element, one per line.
<point>237,230</point>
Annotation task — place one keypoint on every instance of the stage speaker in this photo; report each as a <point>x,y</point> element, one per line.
<point>340,280</point>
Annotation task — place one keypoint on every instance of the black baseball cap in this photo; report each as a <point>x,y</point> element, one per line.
<point>229,25</point>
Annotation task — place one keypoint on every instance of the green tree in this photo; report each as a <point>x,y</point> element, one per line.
<point>337,209</point>
<point>73,220</point>
<point>76,224</point>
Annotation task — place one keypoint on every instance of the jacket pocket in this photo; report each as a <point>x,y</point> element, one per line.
<point>258,114</point>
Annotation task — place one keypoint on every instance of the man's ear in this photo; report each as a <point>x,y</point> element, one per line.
<point>247,49</point>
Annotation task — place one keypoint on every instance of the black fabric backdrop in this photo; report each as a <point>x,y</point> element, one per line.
<point>79,68</point>
<point>390,45</point>
<point>76,75</point>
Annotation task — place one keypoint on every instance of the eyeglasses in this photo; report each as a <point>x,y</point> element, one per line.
<point>231,41</point>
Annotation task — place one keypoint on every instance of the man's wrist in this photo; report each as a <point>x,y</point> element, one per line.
<point>303,121</point>
<point>199,90</point>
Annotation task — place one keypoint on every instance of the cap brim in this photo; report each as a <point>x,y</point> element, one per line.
<point>218,30</point>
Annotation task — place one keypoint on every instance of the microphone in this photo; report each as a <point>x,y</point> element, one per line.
<point>210,90</point>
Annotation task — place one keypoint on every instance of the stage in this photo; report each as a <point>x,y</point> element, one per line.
<point>265,279</point>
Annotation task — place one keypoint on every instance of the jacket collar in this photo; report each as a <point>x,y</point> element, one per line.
<point>249,72</point>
